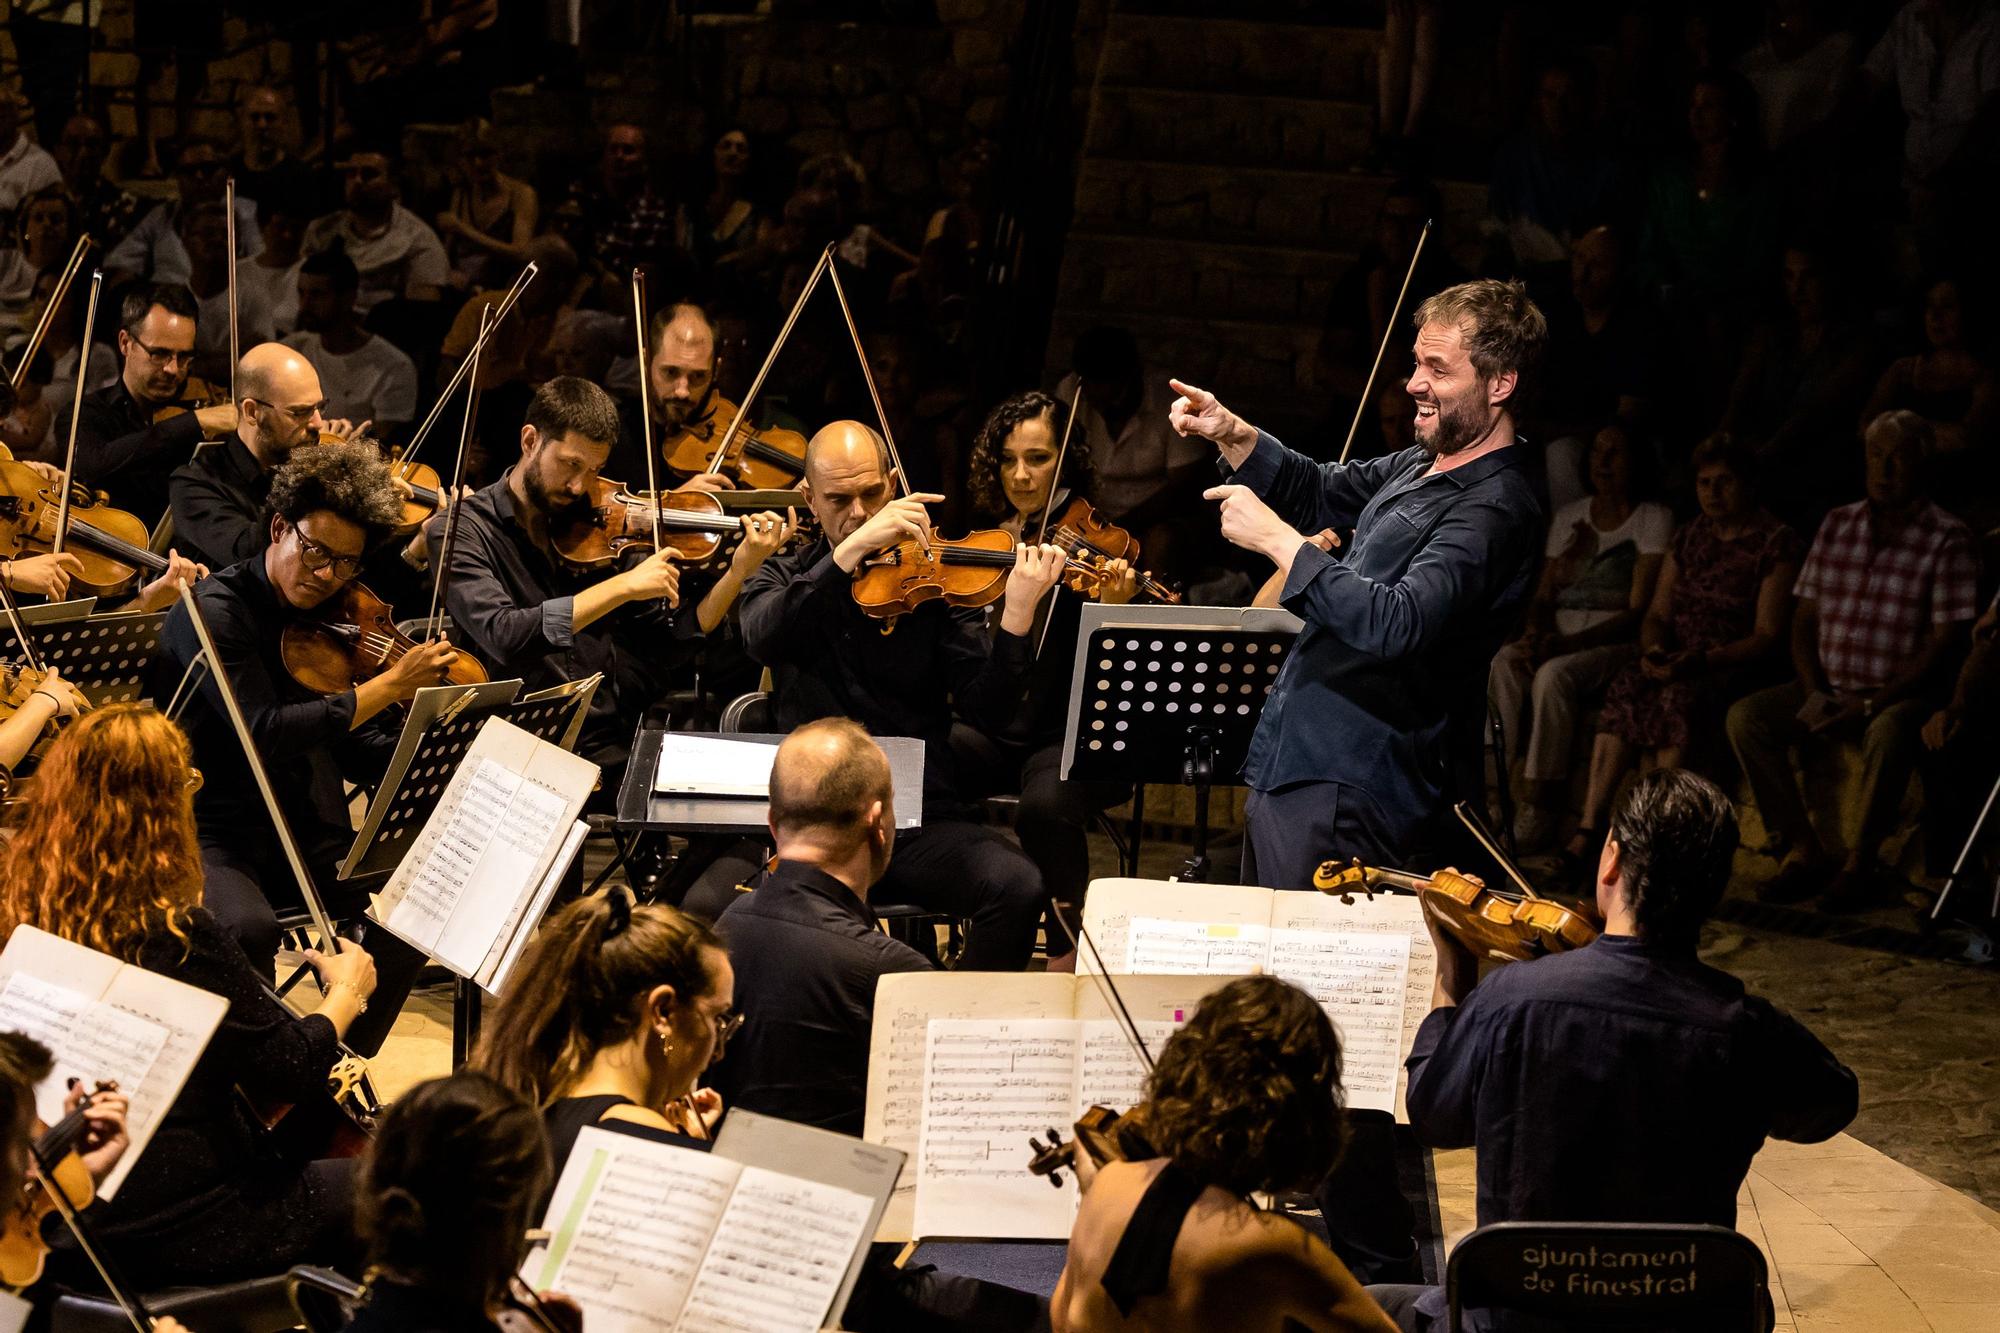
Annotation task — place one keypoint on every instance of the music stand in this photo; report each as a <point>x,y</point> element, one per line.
<point>1161,690</point>
<point>642,809</point>
<point>441,727</point>
<point>106,656</point>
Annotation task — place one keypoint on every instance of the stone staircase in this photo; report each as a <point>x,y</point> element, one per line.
<point>1216,207</point>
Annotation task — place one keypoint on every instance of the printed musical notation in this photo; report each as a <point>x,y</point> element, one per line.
<point>90,1039</point>
<point>1158,947</point>
<point>972,1145</point>
<point>778,1257</point>
<point>1359,978</point>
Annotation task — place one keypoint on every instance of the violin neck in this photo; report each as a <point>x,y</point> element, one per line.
<point>116,547</point>
<point>681,520</point>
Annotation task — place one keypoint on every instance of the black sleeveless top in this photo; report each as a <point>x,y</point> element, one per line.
<point>1140,1264</point>
<point>566,1118</point>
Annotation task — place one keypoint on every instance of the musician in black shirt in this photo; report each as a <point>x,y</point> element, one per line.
<point>829,659</point>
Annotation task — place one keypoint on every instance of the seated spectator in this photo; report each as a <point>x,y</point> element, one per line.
<point>49,384</point>
<point>1149,479</point>
<point>1800,384</point>
<point>265,168</point>
<point>623,219</point>
<point>1800,71</point>
<point>810,948</point>
<point>1950,385</point>
<point>205,237</point>
<point>1690,1074</point>
<point>491,216</point>
<point>723,229</point>
<point>44,233</point>
<point>109,209</point>
<point>454,1176</point>
<point>504,378</point>
<point>395,251</point>
<point>1357,312</point>
<point>1603,360</point>
<point>275,270</point>
<point>154,250</point>
<point>1245,1100</point>
<point>1552,179</point>
<point>1604,554</point>
<point>609,1019</point>
<point>1958,763</point>
<point>1886,597</point>
<point>1715,624</point>
<point>25,167</point>
<point>365,377</point>
<point>1940,61</point>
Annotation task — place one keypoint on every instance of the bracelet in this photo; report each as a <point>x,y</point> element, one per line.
<point>50,697</point>
<point>360,999</point>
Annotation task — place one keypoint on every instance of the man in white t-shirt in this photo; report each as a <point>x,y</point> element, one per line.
<point>1603,560</point>
<point>25,168</point>
<point>365,377</point>
<point>395,251</point>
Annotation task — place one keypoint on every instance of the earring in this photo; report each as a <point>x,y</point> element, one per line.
<point>666,1047</point>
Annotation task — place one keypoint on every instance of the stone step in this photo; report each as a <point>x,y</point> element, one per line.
<point>1240,55</point>
<point>1135,271</point>
<point>1292,207</point>
<point>1247,128</point>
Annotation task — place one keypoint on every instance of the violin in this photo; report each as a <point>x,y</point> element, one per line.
<point>965,571</point>
<point>195,394</point>
<point>1103,1132</point>
<point>339,1124</point>
<point>23,1252</point>
<point>1093,541</point>
<point>613,520</point>
<point>1503,926</point>
<point>768,459</point>
<point>21,683</point>
<point>110,543</point>
<point>426,489</point>
<point>352,637</point>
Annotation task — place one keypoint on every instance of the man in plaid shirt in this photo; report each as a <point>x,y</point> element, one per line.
<point>1886,599</point>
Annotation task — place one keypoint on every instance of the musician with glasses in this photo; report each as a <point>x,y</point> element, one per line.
<point>329,503</point>
<point>124,445</point>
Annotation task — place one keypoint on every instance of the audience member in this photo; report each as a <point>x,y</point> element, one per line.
<point>205,237</point>
<point>109,209</point>
<point>1717,620</point>
<point>155,250</point>
<point>263,164</point>
<point>1245,1100</point>
<point>44,232</point>
<point>365,377</point>
<point>395,251</point>
<point>809,949</point>
<point>49,385</point>
<point>1357,311</point>
<point>721,231</point>
<point>505,380</point>
<point>1886,596</point>
<point>106,856</point>
<point>1405,68</point>
<point>626,220</point>
<point>274,273</point>
<point>1694,1072</point>
<point>1605,358</point>
<point>1604,554</point>
<point>611,1016</point>
<point>1950,385</point>
<point>1800,71</point>
<point>1940,60</point>
<point>25,166</point>
<point>454,1177</point>
<point>491,216</point>
<point>1551,179</point>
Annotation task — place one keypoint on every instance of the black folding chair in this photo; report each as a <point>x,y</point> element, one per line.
<point>325,1301</point>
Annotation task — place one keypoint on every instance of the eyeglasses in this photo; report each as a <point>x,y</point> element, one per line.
<point>727,1025</point>
<point>301,415</point>
<point>319,559</point>
<point>165,356</point>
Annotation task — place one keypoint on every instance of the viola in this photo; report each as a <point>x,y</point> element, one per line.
<point>23,1252</point>
<point>965,571</point>
<point>1493,924</point>
<point>110,543</point>
<point>768,459</point>
<point>614,520</point>
<point>1092,540</point>
<point>1103,1132</point>
<point>352,637</point>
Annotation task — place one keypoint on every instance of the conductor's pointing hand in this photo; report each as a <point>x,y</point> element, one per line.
<point>1199,412</point>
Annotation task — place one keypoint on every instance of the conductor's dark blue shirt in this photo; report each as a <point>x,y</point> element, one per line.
<point>1385,688</point>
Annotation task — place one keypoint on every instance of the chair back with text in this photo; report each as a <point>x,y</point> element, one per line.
<point>1638,1275</point>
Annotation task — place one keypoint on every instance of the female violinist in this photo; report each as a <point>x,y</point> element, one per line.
<point>1245,1100</point>
<point>106,856</point>
<point>1013,460</point>
<point>24,1064</point>
<point>29,702</point>
<point>450,1186</point>
<point>611,1018</point>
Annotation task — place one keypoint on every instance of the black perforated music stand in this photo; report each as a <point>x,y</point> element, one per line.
<point>106,656</point>
<point>1171,694</point>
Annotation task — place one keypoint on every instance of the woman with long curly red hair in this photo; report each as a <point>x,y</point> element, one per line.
<point>105,855</point>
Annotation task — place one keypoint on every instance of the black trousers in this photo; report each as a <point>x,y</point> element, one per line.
<point>1288,832</point>
<point>1054,816</point>
<point>240,882</point>
<point>972,871</point>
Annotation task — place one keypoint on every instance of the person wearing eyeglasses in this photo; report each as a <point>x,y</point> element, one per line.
<point>610,1018</point>
<point>124,446</point>
<point>156,249</point>
<point>329,504</point>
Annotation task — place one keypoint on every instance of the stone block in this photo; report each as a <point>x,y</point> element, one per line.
<point>764,115</point>
<point>906,168</point>
<point>868,114</point>
<point>1267,294</point>
<point>814,114</point>
<point>951,13</point>
<point>986,113</point>
<point>113,69</point>
<point>1284,215</point>
<point>807,143</point>
<point>1215,288</point>
<point>976,46</point>
<point>1249,371</point>
<point>1188,213</point>
<point>1233,208</point>
<point>749,74</point>
<point>942,83</point>
<point>1099,198</point>
<point>851,79</point>
<point>1300,142</point>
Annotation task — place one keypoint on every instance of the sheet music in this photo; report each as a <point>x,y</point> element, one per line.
<point>1195,948</point>
<point>1383,913</point>
<point>533,823</point>
<point>48,1013</point>
<point>630,1221</point>
<point>778,1257</point>
<point>1109,1072</point>
<point>446,854</point>
<point>1113,904</point>
<point>514,934</point>
<point>90,1040</point>
<point>713,766</point>
<point>989,1085</point>
<point>1359,978</point>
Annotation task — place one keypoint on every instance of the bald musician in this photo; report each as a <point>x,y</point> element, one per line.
<point>808,948</point>
<point>828,659</point>
<point>217,497</point>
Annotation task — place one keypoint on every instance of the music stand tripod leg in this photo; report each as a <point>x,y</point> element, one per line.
<point>1964,856</point>
<point>1198,771</point>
